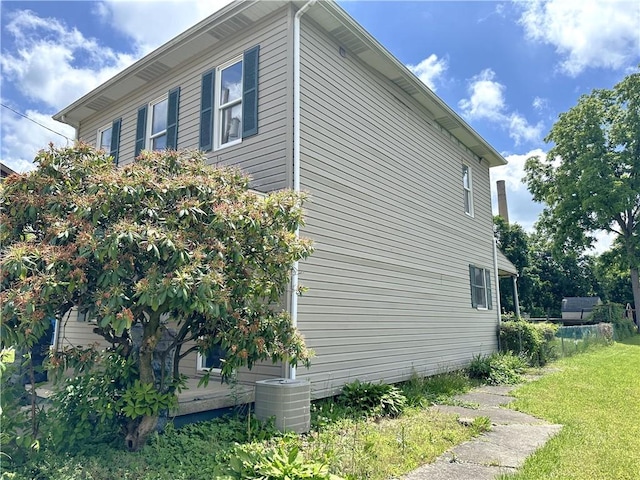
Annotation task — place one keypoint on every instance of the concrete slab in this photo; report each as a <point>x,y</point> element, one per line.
<point>498,415</point>
<point>485,399</point>
<point>444,470</point>
<point>504,445</point>
<point>497,389</point>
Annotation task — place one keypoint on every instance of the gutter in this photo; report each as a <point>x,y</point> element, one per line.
<point>296,155</point>
<point>497,289</point>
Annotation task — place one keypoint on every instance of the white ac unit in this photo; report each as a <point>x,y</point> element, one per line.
<point>287,400</point>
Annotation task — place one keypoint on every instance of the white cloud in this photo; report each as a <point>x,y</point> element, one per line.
<point>486,102</point>
<point>429,70</point>
<point>44,65</point>
<point>540,104</point>
<point>586,33</point>
<point>22,138</point>
<point>162,21</point>
<point>486,98</point>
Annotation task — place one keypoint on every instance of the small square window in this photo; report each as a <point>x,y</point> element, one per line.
<point>467,190</point>
<point>212,360</point>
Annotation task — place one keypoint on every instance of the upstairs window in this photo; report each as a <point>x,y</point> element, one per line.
<point>157,133</point>
<point>157,123</point>
<point>109,139</point>
<point>481,295</point>
<point>467,190</point>
<point>104,138</point>
<point>229,102</point>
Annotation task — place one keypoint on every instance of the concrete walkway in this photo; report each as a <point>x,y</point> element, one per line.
<point>512,438</point>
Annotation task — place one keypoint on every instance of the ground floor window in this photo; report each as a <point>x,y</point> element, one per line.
<point>480,287</point>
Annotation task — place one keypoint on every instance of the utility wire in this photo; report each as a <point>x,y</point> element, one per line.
<point>36,122</point>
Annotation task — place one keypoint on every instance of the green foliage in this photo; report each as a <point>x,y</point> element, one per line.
<point>533,340</point>
<point>481,425</point>
<point>377,399</point>
<point>498,368</point>
<point>614,313</point>
<point>590,178</point>
<point>424,391</point>
<point>594,396</point>
<point>18,441</point>
<point>257,462</point>
<point>165,236</point>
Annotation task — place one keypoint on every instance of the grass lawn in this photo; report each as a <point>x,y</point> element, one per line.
<point>596,396</point>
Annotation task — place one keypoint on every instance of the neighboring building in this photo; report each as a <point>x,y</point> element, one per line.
<point>403,279</point>
<point>578,309</point>
<point>5,171</point>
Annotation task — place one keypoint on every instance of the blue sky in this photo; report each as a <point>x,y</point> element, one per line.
<point>508,68</point>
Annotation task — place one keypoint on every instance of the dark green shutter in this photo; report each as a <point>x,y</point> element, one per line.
<point>487,280</point>
<point>250,92</point>
<point>206,111</point>
<point>472,269</point>
<point>115,140</point>
<point>172,118</point>
<point>141,130</point>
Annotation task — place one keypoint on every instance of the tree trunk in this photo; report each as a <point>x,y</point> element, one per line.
<point>635,288</point>
<point>138,429</point>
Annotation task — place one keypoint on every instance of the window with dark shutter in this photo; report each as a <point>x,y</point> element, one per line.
<point>172,119</point>
<point>115,140</point>
<point>141,130</point>
<point>206,111</point>
<point>250,92</point>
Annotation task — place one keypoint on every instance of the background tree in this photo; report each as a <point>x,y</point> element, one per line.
<point>611,270</point>
<point>165,239</point>
<point>590,180</point>
<point>513,241</point>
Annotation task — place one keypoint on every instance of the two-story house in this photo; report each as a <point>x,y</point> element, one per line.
<point>297,94</point>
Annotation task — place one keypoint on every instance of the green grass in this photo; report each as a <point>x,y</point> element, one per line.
<point>596,396</point>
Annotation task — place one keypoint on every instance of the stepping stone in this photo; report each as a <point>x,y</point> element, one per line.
<point>503,446</point>
<point>445,470</point>
<point>484,399</point>
<point>498,416</point>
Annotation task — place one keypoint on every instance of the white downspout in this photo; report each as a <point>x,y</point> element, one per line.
<point>296,154</point>
<point>497,289</point>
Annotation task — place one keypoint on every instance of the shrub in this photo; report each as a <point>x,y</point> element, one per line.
<point>534,340</point>
<point>498,368</point>
<point>377,399</point>
<point>255,461</point>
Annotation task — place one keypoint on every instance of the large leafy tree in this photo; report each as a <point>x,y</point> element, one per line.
<point>165,244</point>
<point>590,179</point>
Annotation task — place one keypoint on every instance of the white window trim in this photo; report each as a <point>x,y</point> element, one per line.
<point>484,288</point>
<point>99,136</point>
<point>217,107</point>
<point>200,365</point>
<point>148,141</point>
<point>470,213</point>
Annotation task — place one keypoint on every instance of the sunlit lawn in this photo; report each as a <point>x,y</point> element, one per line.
<point>596,396</point>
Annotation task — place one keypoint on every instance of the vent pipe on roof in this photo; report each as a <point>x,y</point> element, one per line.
<point>503,210</point>
<point>296,154</point>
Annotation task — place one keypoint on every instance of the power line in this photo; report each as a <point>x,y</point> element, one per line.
<point>36,122</point>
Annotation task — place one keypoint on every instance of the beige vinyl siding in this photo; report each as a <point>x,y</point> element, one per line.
<point>264,156</point>
<point>389,290</point>
<point>72,333</point>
